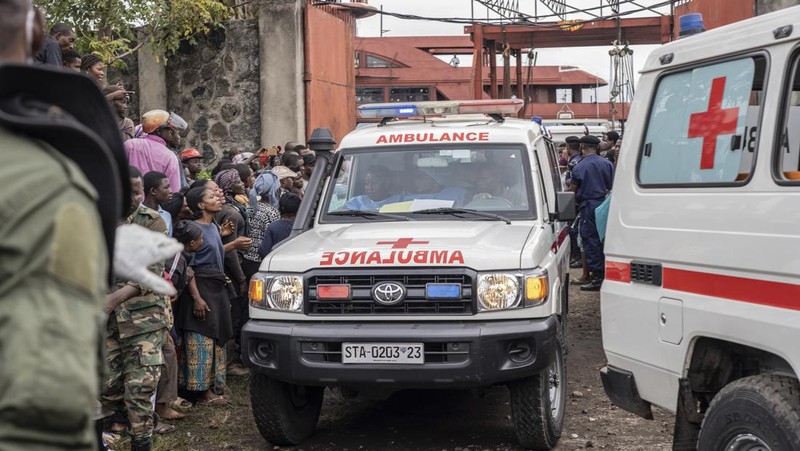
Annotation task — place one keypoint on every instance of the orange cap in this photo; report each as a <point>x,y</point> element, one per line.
<point>188,154</point>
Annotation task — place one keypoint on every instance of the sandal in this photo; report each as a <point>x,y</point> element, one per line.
<point>217,400</point>
<point>164,428</point>
<point>172,414</point>
<point>181,405</point>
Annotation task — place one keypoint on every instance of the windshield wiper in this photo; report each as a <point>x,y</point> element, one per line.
<point>457,211</point>
<point>369,214</point>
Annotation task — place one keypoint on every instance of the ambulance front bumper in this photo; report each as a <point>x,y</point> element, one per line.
<point>456,354</point>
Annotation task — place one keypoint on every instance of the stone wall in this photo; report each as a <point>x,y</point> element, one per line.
<point>214,85</point>
<point>128,74</point>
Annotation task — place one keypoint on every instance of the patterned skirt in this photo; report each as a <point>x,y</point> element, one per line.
<point>203,364</point>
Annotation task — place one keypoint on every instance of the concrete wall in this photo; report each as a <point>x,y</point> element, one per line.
<point>768,6</point>
<point>282,92</point>
<point>128,75</point>
<point>244,84</point>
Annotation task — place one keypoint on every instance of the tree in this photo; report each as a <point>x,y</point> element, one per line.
<point>113,29</point>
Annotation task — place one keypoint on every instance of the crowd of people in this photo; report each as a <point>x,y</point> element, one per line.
<point>588,164</point>
<point>228,219</point>
<point>165,354</point>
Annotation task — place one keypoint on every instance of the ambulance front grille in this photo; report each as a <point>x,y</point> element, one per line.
<point>361,302</point>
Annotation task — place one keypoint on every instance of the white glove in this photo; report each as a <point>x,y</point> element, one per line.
<point>135,249</point>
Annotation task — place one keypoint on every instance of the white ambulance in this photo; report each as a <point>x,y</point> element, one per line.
<point>429,253</point>
<point>701,300</point>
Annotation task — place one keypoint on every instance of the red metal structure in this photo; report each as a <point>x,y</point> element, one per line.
<point>407,69</point>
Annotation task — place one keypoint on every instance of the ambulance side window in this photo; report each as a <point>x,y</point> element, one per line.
<point>555,173</point>
<point>787,157</point>
<point>702,128</point>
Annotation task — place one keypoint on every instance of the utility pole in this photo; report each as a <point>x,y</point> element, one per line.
<point>381,25</point>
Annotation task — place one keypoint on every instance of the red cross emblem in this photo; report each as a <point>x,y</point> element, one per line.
<point>712,123</point>
<point>402,243</point>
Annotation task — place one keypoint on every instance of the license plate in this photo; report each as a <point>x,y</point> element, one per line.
<point>398,353</point>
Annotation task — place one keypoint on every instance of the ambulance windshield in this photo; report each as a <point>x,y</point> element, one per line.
<point>400,183</point>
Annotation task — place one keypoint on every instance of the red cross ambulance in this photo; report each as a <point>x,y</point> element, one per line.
<point>429,253</point>
<point>701,300</point>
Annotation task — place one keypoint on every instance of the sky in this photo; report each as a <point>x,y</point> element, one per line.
<point>594,60</point>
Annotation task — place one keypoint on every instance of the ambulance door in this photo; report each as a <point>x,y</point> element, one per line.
<point>550,176</point>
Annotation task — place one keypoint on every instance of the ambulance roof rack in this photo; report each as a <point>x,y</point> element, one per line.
<point>494,108</point>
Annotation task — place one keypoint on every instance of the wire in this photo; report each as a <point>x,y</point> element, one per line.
<point>519,14</point>
<point>494,21</point>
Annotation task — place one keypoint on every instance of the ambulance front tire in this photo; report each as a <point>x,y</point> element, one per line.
<point>756,412</point>
<point>285,414</point>
<point>539,403</point>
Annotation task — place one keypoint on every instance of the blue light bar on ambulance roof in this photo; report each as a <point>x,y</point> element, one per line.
<point>438,108</point>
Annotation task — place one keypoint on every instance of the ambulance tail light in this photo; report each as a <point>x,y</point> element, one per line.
<point>439,108</point>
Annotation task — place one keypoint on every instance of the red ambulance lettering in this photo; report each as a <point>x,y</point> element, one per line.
<point>404,257</point>
<point>327,259</point>
<point>341,258</point>
<point>374,257</point>
<point>358,258</point>
<point>421,257</point>
<point>456,257</point>
<point>431,137</point>
<point>438,257</point>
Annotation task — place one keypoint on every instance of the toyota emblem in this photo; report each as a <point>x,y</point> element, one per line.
<point>389,293</point>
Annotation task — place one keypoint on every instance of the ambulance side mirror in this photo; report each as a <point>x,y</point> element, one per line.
<point>566,208</point>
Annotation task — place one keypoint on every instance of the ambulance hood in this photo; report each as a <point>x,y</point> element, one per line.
<point>480,245</point>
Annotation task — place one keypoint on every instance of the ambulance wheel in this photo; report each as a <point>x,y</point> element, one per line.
<point>539,403</point>
<point>754,413</point>
<point>285,414</point>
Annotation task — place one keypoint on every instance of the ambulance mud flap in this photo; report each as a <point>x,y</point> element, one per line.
<point>620,387</point>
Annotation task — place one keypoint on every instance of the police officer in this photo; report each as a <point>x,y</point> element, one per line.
<point>575,156</point>
<point>591,181</point>
<point>64,164</point>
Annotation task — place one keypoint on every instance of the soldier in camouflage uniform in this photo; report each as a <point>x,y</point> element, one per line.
<point>136,331</point>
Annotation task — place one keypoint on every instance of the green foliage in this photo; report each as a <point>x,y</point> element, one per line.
<point>204,175</point>
<point>109,28</point>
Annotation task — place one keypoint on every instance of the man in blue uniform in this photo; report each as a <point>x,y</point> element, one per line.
<point>575,156</point>
<point>591,181</point>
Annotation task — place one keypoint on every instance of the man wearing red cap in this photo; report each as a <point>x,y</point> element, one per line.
<point>192,160</point>
<point>152,152</point>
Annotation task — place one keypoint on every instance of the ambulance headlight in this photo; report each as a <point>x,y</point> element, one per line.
<point>497,291</point>
<point>278,292</point>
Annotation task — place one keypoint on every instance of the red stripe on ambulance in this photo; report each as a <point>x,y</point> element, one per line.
<point>742,289</point>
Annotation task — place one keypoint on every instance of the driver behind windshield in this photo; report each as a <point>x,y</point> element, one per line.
<point>491,184</point>
<point>424,186</point>
<point>377,186</point>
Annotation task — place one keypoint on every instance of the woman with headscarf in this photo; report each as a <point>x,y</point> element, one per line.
<point>234,218</point>
<point>262,214</point>
<point>203,315</point>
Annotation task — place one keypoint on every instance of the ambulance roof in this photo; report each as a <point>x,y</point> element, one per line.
<point>457,129</point>
<point>737,37</point>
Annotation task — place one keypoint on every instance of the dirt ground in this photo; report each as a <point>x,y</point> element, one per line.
<point>442,420</point>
